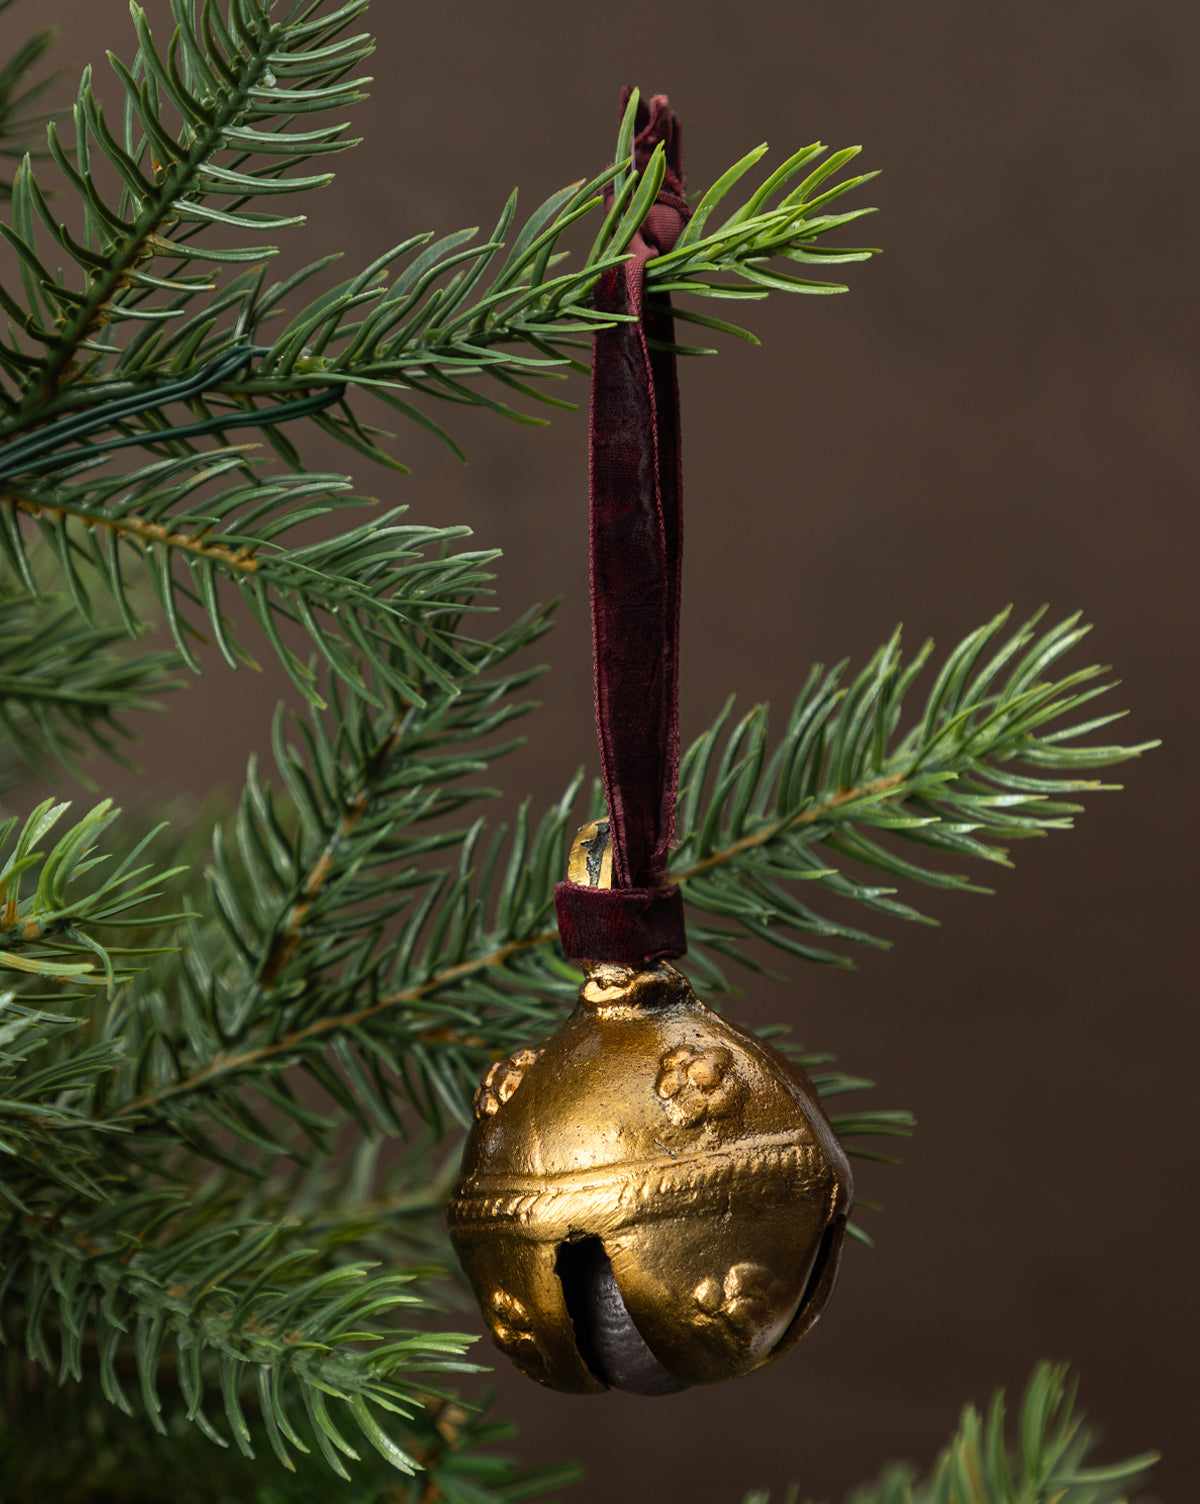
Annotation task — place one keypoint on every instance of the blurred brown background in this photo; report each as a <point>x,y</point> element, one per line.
<point>1003,409</point>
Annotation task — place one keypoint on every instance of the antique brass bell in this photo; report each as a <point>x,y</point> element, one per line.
<point>651,1199</point>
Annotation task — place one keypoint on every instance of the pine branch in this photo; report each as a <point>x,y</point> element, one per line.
<point>60,1444</point>
<point>236,1305</point>
<point>309,900</point>
<point>421,335</point>
<point>69,945</point>
<point>17,126</point>
<point>367,598</point>
<point>752,820</point>
<point>226,79</point>
<point>177,1296</point>
<point>49,1144</point>
<point>367,1205</point>
<point>54,935</point>
<point>106,364</point>
<point>372,1047</point>
<point>1042,1464</point>
<point>63,691</point>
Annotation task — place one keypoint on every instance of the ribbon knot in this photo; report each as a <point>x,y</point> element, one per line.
<point>656,122</point>
<point>663,226</point>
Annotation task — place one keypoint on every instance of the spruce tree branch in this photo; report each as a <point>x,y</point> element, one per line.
<point>875,788</point>
<point>137,245</point>
<point>232,1298</point>
<point>52,934</point>
<point>64,689</point>
<point>754,820</point>
<point>230,85</point>
<point>1044,1462</point>
<point>229,1067</point>
<point>306,900</point>
<point>445,341</point>
<point>49,1145</point>
<point>65,1443</point>
<point>409,1205</point>
<point>378,601</point>
<point>140,530</point>
<point>366,783</point>
<point>228,81</point>
<point>17,126</point>
<point>509,309</point>
<point>288,936</point>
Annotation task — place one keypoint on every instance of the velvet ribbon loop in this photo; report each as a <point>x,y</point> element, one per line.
<point>636,540</point>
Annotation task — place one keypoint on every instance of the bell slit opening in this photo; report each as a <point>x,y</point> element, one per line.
<point>821,1279</point>
<point>608,1341</point>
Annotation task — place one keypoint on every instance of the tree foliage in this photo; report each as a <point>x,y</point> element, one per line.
<point>194,1028</point>
<point>19,123</point>
<point>984,1463</point>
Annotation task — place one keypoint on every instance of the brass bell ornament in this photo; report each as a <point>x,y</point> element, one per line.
<point>652,1198</point>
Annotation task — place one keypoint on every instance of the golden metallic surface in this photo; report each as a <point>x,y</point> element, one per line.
<point>590,861</point>
<point>692,1152</point>
<point>502,1079</point>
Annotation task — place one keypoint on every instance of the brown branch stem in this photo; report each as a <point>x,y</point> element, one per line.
<point>227,1064</point>
<point>141,531</point>
<point>810,816</point>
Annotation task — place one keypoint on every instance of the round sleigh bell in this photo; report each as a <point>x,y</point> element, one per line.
<point>651,1199</point>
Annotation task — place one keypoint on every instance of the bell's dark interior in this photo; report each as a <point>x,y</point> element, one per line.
<point>608,1340</point>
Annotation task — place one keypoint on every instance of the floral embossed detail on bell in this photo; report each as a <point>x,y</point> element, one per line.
<point>512,1328</point>
<point>696,1085</point>
<point>501,1081</point>
<point>740,1301</point>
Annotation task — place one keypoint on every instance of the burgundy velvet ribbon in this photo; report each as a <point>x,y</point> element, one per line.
<point>636,546</point>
